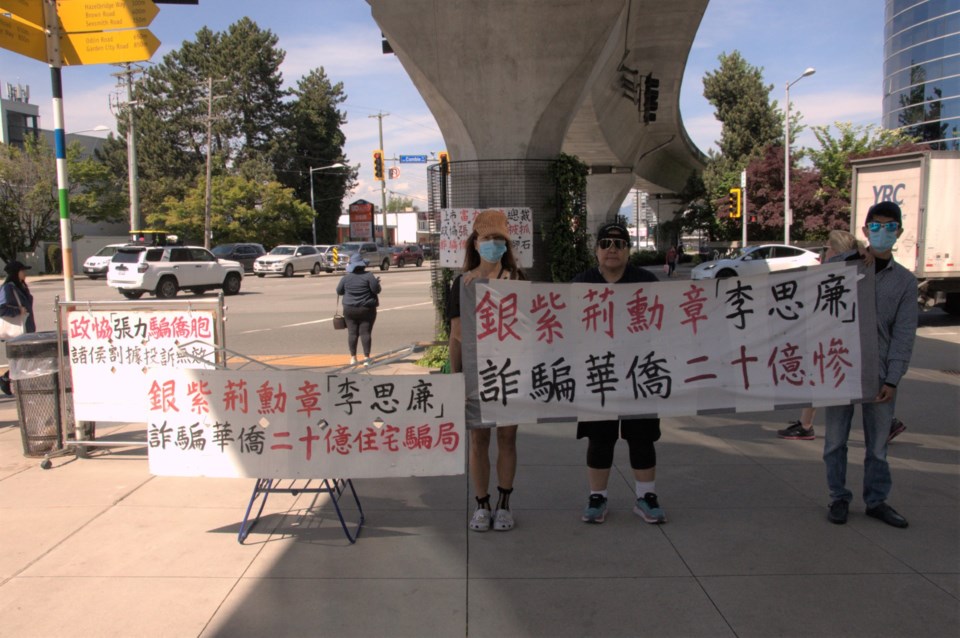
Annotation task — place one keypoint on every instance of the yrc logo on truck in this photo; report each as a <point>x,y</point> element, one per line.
<point>888,193</point>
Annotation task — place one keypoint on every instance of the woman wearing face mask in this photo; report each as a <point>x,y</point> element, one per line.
<point>16,300</point>
<point>489,256</point>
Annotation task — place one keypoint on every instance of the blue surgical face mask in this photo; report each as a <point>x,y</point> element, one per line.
<point>492,249</point>
<point>882,240</point>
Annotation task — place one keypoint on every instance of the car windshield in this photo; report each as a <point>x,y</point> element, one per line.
<point>283,250</point>
<point>352,248</point>
<point>107,251</point>
<point>222,251</point>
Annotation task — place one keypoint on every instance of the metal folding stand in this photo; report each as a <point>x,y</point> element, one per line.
<point>334,487</point>
<point>264,487</point>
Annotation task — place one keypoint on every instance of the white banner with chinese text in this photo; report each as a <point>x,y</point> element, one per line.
<point>550,352</point>
<point>303,424</point>
<point>111,351</point>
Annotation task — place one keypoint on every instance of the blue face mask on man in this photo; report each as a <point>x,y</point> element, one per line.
<point>492,249</point>
<point>882,235</point>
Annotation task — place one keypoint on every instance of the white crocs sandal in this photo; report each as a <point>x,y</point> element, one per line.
<point>482,520</point>
<point>503,521</point>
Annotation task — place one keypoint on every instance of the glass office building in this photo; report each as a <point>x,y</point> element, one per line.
<point>921,70</point>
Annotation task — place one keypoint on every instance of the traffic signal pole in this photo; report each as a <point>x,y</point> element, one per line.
<point>383,183</point>
<point>743,207</point>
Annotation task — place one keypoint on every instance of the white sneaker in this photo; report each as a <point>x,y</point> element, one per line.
<point>366,363</point>
<point>353,361</point>
<point>482,520</point>
<point>503,521</point>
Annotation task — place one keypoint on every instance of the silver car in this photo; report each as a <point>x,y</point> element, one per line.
<point>757,260</point>
<point>288,259</point>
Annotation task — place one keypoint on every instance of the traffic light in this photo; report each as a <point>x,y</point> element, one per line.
<point>651,98</point>
<point>735,203</point>
<point>378,165</point>
<point>444,158</point>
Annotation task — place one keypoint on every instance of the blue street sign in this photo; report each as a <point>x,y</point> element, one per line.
<point>413,159</point>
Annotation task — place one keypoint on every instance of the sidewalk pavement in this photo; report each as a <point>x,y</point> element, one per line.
<point>99,547</point>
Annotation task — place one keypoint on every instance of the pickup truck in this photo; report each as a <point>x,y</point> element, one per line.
<point>374,255</point>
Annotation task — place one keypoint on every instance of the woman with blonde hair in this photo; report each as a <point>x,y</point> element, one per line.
<point>489,256</point>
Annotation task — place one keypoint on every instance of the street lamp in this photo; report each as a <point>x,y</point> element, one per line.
<point>787,216</point>
<point>99,128</point>
<point>312,207</point>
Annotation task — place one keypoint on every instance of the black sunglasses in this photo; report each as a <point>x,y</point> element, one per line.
<point>619,244</point>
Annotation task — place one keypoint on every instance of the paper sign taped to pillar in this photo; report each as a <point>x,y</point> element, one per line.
<point>456,224</point>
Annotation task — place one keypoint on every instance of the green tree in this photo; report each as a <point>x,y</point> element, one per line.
<point>832,159</point>
<point>750,123</point>
<point>29,200</point>
<point>399,204</point>
<point>314,138</point>
<point>241,210</point>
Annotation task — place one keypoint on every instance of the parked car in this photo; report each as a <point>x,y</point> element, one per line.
<point>246,254</point>
<point>96,266</point>
<point>427,250</point>
<point>757,260</point>
<point>164,270</point>
<point>374,255</point>
<point>288,259</point>
<point>400,256</point>
<point>333,257</point>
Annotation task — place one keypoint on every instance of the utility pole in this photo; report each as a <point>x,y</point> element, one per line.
<point>383,184</point>
<point>132,179</point>
<point>207,223</point>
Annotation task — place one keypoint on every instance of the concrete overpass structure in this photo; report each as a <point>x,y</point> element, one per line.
<point>525,80</point>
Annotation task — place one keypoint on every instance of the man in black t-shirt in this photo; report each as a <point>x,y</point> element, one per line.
<point>613,251</point>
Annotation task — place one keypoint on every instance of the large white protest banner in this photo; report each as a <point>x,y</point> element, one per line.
<point>456,224</point>
<point>542,352</point>
<point>288,424</point>
<point>111,351</point>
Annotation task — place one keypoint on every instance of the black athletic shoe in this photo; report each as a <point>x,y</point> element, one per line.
<point>796,432</point>
<point>5,385</point>
<point>838,512</point>
<point>887,514</point>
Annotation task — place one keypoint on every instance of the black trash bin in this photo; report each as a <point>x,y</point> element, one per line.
<point>35,380</point>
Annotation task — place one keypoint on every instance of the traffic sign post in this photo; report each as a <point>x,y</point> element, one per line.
<point>110,47</point>
<point>96,15</point>
<point>23,38</point>
<point>26,10</point>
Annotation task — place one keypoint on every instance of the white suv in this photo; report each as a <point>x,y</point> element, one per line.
<point>164,270</point>
<point>286,260</point>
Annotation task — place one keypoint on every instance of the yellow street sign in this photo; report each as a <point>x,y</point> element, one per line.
<point>26,10</point>
<point>103,15</point>
<point>22,38</point>
<point>112,47</point>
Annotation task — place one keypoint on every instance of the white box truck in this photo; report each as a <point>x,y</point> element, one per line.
<point>926,185</point>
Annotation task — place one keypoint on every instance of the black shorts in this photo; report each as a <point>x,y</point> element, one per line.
<point>643,429</point>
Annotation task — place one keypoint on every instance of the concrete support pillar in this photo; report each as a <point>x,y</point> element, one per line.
<point>605,195</point>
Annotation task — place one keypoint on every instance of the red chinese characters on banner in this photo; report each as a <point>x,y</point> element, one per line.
<point>549,327</point>
<point>598,316</point>
<point>497,317</point>
<point>693,306</point>
<point>162,397</point>
<point>644,315</point>
<point>198,392</point>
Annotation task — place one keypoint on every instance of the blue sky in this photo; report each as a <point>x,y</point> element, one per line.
<point>842,39</point>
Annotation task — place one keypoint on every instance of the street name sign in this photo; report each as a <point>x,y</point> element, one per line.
<point>405,159</point>
<point>26,10</point>
<point>110,47</point>
<point>102,15</point>
<point>23,38</point>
